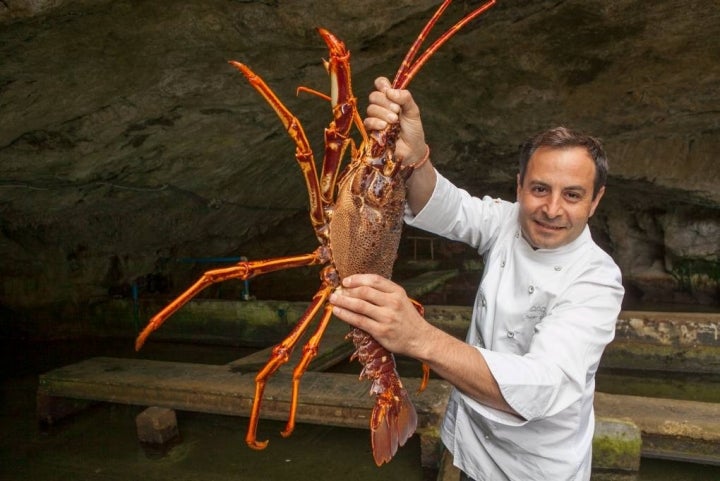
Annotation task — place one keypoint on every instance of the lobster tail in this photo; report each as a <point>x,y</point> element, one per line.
<point>392,423</point>
<point>393,418</point>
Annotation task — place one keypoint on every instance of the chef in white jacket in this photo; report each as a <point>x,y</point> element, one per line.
<point>522,407</point>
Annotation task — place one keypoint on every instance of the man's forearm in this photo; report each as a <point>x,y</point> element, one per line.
<point>464,367</point>
<point>420,185</point>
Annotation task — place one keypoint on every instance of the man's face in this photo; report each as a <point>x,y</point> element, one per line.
<point>556,196</point>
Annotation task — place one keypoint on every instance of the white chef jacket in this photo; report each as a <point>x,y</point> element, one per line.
<point>541,319</point>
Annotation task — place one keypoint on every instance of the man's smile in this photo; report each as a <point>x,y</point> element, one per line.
<point>549,226</point>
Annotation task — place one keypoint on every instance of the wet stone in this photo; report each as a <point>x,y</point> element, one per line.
<point>156,425</point>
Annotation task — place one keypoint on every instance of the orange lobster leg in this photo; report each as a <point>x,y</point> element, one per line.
<point>309,352</point>
<point>303,152</point>
<point>280,355</point>
<point>425,368</point>
<point>344,106</point>
<point>242,271</point>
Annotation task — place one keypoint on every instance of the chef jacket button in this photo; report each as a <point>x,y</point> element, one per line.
<point>502,264</point>
<point>531,289</point>
<point>484,302</point>
<point>510,334</point>
<point>558,268</point>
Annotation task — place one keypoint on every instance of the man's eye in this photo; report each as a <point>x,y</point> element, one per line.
<point>573,195</point>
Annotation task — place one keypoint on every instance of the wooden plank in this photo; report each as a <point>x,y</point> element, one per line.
<point>216,389</point>
<point>326,398</point>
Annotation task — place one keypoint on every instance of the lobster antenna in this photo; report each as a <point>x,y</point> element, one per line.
<point>410,56</point>
<point>407,72</point>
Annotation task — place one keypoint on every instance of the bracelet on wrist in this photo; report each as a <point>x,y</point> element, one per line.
<point>422,161</point>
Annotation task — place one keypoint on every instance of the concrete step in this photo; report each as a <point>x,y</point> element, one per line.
<point>671,428</point>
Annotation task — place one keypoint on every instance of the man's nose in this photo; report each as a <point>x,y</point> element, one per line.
<point>553,207</point>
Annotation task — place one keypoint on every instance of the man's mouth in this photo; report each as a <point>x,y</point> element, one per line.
<point>548,226</point>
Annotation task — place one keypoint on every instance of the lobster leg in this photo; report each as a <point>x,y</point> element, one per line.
<point>344,106</point>
<point>303,152</point>
<point>425,368</point>
<point>242,271</point>
<point>280,355</point>
<point>357,119</point>
<point>309,352</point>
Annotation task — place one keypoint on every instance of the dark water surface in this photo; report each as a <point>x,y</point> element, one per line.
<point>101,443</point>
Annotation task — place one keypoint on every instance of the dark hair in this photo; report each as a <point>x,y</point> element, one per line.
<point>563,138</point>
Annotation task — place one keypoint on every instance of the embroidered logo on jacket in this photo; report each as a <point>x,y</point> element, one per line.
<point>535,314</point>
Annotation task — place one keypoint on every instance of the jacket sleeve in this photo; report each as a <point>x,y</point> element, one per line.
<point>559,368</point>
<point>453,213</point>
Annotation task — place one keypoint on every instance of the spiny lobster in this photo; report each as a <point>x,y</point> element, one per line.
<point>358,228</point>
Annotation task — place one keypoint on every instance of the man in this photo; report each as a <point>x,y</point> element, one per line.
<point>522,407</point>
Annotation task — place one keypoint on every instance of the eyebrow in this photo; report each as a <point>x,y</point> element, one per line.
<point>576,188</point>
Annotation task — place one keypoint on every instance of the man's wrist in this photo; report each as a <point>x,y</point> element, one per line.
<point>419,164</point>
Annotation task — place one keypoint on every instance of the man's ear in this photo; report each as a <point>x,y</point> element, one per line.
<point>596,200</point>
<point>519,186</point>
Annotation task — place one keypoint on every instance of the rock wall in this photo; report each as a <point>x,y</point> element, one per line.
<point>128,143</point>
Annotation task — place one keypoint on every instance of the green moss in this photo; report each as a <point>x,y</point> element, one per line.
<point>617,445</point>
<point>694,273</point>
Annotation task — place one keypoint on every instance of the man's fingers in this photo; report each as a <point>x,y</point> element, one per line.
<point>405,102</point>
<point>382,113</point>
<point>352,318</point>
<point>354,311</point>
<point>351,300</point>
<point>382,83</point>
<point>374,123</point>
<point>373,281</point>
